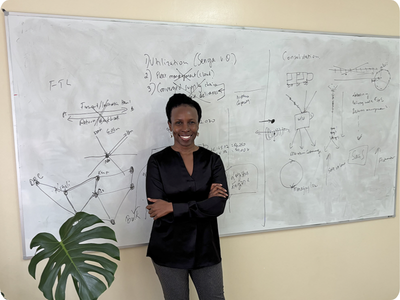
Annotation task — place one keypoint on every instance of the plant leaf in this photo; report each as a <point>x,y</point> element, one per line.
<point>69,257</point>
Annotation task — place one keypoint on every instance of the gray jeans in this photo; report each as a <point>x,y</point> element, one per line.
<point>175,282</point>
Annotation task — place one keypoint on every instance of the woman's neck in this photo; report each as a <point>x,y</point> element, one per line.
<point>185,150</point>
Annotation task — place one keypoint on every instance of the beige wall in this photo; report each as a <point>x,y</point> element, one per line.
<point>340,262</point>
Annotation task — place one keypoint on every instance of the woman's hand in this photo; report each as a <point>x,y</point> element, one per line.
<point>159,208</point>
<point>217,190</point>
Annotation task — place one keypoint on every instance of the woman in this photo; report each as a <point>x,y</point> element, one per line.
<point>187,190</point>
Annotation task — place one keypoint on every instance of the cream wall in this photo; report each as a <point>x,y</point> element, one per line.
<point>357,261</point>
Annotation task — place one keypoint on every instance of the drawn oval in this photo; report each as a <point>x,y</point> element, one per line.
<point>291,174</point>
<point>382,79</point>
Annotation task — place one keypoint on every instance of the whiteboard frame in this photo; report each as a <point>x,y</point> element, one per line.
<point>167,23</point>
<point>210,26</point>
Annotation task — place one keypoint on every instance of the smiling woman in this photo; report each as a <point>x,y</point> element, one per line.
<point>187,189</point>
<point>184,127</point>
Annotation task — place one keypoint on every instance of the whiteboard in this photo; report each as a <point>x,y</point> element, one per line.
<point>306,123</point>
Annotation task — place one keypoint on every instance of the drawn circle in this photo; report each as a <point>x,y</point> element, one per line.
<point>382,79</point>
<point>291,174</point>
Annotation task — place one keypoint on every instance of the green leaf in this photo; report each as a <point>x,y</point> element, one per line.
<point>69,257</point>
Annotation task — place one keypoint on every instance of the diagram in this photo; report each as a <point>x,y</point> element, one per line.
<point>107,157</point>
<point>302,121</point>
<point>298,78</point>
<point>333,132</point>
<point>98,196</point>
<point>291,174</point>
<point>380,77</point>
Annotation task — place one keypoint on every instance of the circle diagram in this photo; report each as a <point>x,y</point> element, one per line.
<point>291,174</point>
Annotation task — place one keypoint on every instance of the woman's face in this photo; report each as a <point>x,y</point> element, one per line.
<point>184,125</point>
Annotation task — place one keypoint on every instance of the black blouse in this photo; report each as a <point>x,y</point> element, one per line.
<point>187,238</point>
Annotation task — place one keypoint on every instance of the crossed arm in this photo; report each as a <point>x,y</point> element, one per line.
<point>159,208</point>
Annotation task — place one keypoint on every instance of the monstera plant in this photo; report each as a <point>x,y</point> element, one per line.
<point>73,256</point>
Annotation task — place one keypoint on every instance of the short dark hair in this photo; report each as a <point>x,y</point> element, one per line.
<point>178,100</point>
